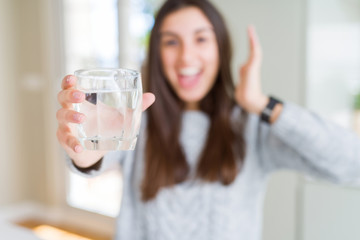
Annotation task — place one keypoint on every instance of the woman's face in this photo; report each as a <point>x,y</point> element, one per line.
<point>189,54</point>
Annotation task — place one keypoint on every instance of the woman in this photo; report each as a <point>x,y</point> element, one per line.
<point>206,148</point>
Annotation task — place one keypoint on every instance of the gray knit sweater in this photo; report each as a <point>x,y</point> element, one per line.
<point>298,140</point>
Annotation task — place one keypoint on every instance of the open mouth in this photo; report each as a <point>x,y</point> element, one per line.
<point>189,76</point>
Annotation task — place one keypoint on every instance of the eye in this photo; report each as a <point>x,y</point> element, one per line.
<point>201,39</point>
<point>171,42</point>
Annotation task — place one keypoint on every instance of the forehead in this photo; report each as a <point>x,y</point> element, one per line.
<point>185,20</point>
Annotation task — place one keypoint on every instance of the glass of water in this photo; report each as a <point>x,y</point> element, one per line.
<point>112,106</point>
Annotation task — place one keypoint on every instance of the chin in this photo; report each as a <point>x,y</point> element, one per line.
<point>191,98</point>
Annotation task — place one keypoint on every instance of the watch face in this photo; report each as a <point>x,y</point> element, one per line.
<point>267,111</point>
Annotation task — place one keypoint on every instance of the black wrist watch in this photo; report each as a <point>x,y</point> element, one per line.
<point>266,113</point>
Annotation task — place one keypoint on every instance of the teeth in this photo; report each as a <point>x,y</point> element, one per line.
<point>189,71</point>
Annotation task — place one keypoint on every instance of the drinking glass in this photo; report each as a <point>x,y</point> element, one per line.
<point>112,106</point>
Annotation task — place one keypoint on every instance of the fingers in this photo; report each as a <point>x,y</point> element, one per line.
<point>68,141</point>
<point>69,96</point>
<point>65,133</point>
<point>74,144</point>
<point>65,116</point>
<point>255,55</point>
<point>68,81</point>
<point>148,100</point>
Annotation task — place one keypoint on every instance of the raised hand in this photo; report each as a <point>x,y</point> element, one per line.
<point>248,91</point>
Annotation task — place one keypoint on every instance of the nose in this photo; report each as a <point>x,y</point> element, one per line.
<point>187,53</point>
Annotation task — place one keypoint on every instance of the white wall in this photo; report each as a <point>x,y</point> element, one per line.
<point>22,123</point>
<point>10,166</point>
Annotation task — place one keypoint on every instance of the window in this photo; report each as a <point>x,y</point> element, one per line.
<point>333,59</point>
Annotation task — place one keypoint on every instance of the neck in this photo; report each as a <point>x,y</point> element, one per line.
<point>192,106</point>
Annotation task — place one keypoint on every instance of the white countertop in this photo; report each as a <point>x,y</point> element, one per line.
<point>11,231</point>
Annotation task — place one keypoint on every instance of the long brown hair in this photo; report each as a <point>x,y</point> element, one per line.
<point>165,163</point>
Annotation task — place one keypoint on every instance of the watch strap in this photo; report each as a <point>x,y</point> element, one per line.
<point>266,113</point>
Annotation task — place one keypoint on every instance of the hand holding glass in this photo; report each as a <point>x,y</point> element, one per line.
<point>112,106</point>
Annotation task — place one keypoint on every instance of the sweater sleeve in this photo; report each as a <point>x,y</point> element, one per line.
<point>301,140</point>
<point>111,160</point>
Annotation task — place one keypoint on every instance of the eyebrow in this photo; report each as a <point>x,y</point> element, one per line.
<point>203,29</point>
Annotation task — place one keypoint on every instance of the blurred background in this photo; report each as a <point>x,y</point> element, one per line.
<point>311,57</point>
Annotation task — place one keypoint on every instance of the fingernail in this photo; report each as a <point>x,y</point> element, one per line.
<point>77,95</point>
<point>78,148</point>
<point>78,117</point>
<point>69,79</point>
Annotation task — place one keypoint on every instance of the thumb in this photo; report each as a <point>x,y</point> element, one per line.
<point>148,100</point>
